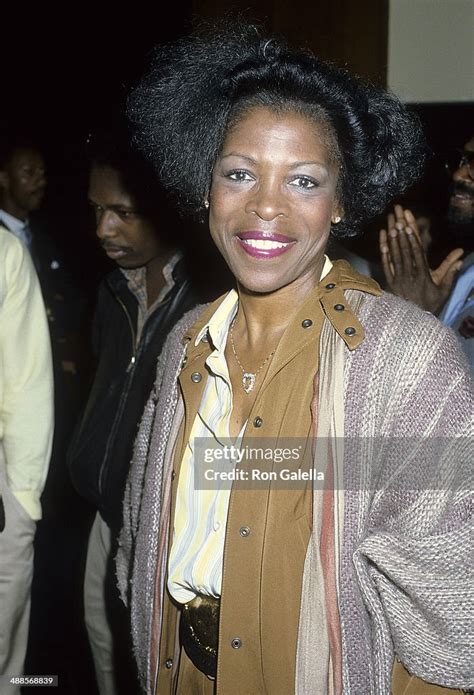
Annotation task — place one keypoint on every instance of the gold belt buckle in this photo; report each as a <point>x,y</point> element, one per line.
<point>199,627</point>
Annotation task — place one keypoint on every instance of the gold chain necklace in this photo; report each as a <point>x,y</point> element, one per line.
<point>248,378</point>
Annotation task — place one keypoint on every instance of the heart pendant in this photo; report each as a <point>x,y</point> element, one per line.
<point>248,381</point>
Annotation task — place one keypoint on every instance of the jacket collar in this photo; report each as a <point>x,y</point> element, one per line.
<point>117,280</point>
<point>329,294</point>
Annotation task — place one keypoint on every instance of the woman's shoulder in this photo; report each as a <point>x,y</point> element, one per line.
<point>181,334</point>
<point>409,372</point>
<point>190,325</point>
<point>391,307</point>
<point>401,319</point>
<point>401,331</point>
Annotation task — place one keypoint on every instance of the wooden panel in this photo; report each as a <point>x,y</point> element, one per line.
<point>351,33</point>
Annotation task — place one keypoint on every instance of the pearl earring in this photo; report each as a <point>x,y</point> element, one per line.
<point>206,204</point>
<point>336,220</point>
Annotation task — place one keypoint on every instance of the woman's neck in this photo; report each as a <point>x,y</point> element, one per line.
<point>262,316</point>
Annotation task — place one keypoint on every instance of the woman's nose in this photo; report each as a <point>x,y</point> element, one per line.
<point>267,202</point>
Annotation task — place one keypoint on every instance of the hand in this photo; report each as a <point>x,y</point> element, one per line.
<point>406,267</point>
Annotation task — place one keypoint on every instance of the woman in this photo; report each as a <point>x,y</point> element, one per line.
<point>281,589</point>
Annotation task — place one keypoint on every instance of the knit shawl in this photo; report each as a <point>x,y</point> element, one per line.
<point>405,581</point>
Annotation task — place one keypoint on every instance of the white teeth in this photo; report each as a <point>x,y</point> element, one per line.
<point>264,244</point>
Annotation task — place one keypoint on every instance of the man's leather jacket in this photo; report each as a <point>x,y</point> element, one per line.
<point>101,450</point>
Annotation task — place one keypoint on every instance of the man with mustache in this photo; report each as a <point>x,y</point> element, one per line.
<point>138,303</point>
<point>461,202</point>
<point>23,184</point>
<point>442,291</point>
<point>458,311</point>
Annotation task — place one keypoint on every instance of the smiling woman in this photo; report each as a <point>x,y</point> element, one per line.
<point>273,195</point>
<point>282,589</point>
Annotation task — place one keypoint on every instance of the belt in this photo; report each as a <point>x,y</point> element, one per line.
<point>198,632</point>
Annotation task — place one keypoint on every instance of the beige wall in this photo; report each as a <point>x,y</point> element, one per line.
<point>431,50</point>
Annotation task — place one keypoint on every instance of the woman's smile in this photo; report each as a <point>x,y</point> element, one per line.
<point>264,244</point>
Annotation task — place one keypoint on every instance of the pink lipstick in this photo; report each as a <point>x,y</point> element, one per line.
<point>264,244</point>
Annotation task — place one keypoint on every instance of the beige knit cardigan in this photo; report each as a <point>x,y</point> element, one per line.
<point>405,577</point>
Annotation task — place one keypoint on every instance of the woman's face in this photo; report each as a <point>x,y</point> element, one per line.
<point>272,197</point>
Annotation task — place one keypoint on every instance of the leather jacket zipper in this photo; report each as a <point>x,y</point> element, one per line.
<point>172,302</point>
<point>132,331</point>
<point>123,396</point>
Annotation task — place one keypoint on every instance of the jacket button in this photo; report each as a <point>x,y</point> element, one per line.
<point>173,475</point>
<point>204,338</point>
<point>196,377</point>
<point>169,663</point>
<point>330,286</point>
<point>244,531</point>
<point>307,323</point>
<point>236,643</point>
<point>258,422</point>
<point>339,307</point>
<point>350,330</point>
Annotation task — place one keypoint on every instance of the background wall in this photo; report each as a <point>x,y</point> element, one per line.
<point>430,50</point>
<point>351,33</point>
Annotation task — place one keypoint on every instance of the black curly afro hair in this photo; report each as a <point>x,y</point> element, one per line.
<point>196,88</point>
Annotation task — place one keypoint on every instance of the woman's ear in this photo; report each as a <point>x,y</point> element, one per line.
<point>337,211</point>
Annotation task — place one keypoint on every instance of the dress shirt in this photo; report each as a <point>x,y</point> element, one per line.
<point>136,281</point>
<point>195,561</point>
<point>20,228</point>
<point>460,306</point>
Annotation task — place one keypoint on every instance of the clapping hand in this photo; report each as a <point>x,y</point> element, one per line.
<point>406,267</point>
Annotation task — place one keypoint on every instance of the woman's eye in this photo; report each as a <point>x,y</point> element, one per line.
<point>239,175</point>
<point>305,182</point>
<point>125,214</point>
